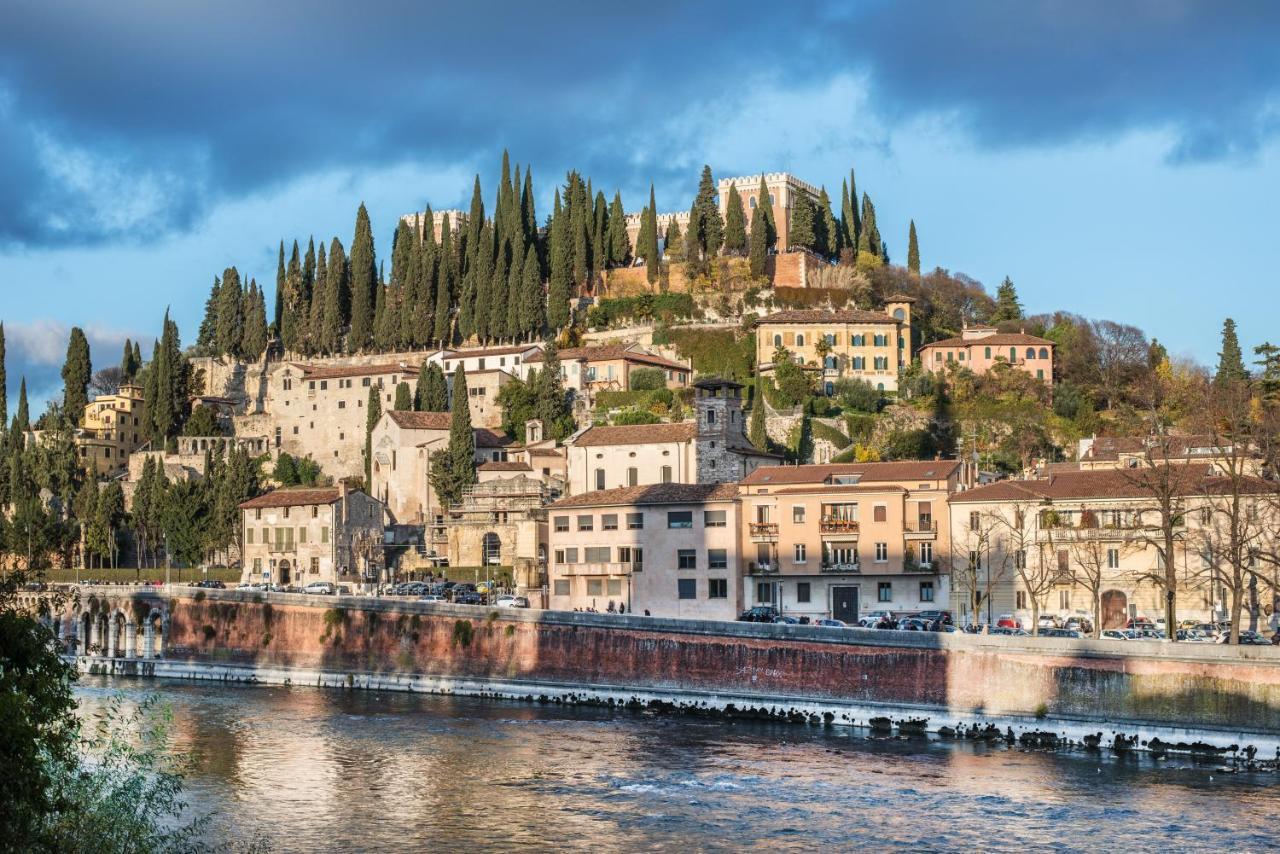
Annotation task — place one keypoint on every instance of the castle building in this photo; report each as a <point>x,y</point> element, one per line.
<point>785,191</point>
<point>846,343</point>
<point>457,221</point>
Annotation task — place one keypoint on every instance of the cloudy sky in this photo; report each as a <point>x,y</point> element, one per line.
<point>1118,159</point>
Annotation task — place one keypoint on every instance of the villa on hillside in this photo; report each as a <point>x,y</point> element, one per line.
<point>981,348</point>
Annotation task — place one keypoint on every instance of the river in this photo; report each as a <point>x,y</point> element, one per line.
<point>314,770</point>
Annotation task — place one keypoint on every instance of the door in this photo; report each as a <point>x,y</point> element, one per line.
<point>282,569</point>
<point>844,604</point>
<point>1115,609</point>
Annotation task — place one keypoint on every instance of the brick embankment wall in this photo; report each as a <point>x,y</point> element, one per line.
<point>1205,686</point>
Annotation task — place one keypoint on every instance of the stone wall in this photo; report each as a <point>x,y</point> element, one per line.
<point>1236,689</point>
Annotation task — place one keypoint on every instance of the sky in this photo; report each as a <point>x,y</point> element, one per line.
<point>1116,159</point>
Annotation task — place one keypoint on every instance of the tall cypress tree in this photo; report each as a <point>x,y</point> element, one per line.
<point>869,233</point>
<point>757,434</point>
<point>433,394</point>
<point>424,308</point>
<point>850,220</point>
<point>309,271</point>
<point>913,250</point>
<point>551,404</point>
<point>254,340</point>
<point>802,233</point>
<point>229,325</point>
<point>4,384</point>
<point>207,334</point>
<point>462,438</point>
<point>22,417</point>
<point>1230,359</point>
<point>445,284</point>
<point>292,325</point>
<point>278,314</point>
<point>735,229</point>
<point>706,227</point>
<point>528,216</point>
<point>76,373</point>
<point>759,245</point>
<point>649,248</point>
<point>619,242</point>
<point>828,229</point>
<point>512,328</point>
<point>373,412</point>
<point>364,281</point>
<point>404,397</point>
<point>532,299</point>
<point>561,262</point>
<point>764,205</point>
<point>328,335</point>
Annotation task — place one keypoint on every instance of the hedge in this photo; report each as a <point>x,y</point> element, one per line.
<point>830,434</point>
<point>641,307</point>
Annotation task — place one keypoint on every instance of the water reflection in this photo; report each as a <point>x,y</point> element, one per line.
<point>317,770</point>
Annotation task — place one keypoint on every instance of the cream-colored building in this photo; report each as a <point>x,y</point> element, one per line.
<point>293,537</point>
<point>785,191</point>
<point>668,550</point>
<point>841,540</point>
<point>847,343</point>
<point>1053,539</point>
<point>1132,452</point>
<point>112,427</point>
<point>981,348</point>
<point>483,388</point>
<point>515,359</point>
<point>588,370</point>
<point>457,221</point>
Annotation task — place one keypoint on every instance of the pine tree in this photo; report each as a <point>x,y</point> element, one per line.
<point>446,281</point>
<point>229,326</point>
<point>404,398</point>
<point>649,246</point>
<point>364,281</point>
<point>462,438</point>
<point>829,237</point>
<point>1269,378</point>
<point>757,434</point>
<point>532,299</point>
<point>76,373</point>
<point>913,250</point>
<point>4,384</point>
<point>561,259</point>
<point>764,206</point>
<point>619,242</point>
<point>674,243</point>
<point>802,230</point>
<point>706,227</point>
<point>373,413</point>
<point>735,229</point>
<point>1230,359</point>
<point>1007,305</point>
<point>278,315</point>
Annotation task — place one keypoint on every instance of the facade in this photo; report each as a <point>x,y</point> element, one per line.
<point>981,348</point>
<point>1130,452</point>
<point>514,360</point>
<point>587,370</point>
<point>668,550</point>
<point>482,395</point>
<point>712,448</point>
<point>457,220</point>
<point>1054,539</point>
<point>293,537</point>
<point>785,190</point>
<point>664,220</point>
<point>503,523</point>
<point>866,345</point>
<point>113,427</point>
<point>841,540</point>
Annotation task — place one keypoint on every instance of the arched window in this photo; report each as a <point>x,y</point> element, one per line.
<point>879,386</point>
<point>830,363</point>
<point>899,314</point>
<point>1031,352</point>
<point>753,202</point>
<point>1044,352</point>
<point>831,389</point>
<point>777,340</point>
<point>800,340</point>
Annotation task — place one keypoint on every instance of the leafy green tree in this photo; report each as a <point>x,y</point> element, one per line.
<point>364,279</point>
<point>1230,359</point>
<point>373,412</point>
<point>674,243</point>
<point>1007,305</point>
<point>519,402</point>
<point>110,518</point>
<point>647,379</point>
<point>203,421</point>
<point>186,516</point>
<point>913,250</point>
<point>735,229</point>
<point>76,373</point>
<point>859,395</point>
<point>285,471</point>
<point>207,334</point>
<point>1269,378</point>
<point>404,398</point>
<point>706,227</point>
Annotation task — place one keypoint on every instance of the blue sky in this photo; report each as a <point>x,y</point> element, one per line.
<point>1116,159</point>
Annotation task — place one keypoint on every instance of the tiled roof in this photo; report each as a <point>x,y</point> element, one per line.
<point>907,470</point>
<point>1171,447</point>
<point>420,420</point>
<point>1000,339</point>
<point>329,372</point>
<point>637,434</point>
<point>503,465</point>
<point>844,315</point>
<point>827,489</point>
<point>611,352</point>
<point>293,497</point>
<point>656,493</point>
<point>1144,482</point>
<point>488,351</point>
<point>486,438</point>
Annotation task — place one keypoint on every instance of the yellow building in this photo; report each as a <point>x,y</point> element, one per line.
<point>846,343</point>
<point>113,426</point>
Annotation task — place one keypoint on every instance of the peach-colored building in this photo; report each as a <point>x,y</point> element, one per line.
<point>980,348</point>
<point>113,425</point>
<point>866,345</point>
<point>844,539</point>
<point>669,550</point>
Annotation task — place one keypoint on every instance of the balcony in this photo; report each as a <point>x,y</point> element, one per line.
<point>832,525</point>
<point>1086,533</point>
<point>764,531</point>
<point>287,547</point>
<point>612,568</point>
<point>845,568</point>
<point>923,528</point>
<point>911,565</point>
<point>754,568</point>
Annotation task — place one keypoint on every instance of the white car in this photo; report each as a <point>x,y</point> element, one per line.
<point>319,588</point>
<point>431,597</point>
<point>506,600</point>
<point>870,618</point>
<point>1114,634</point>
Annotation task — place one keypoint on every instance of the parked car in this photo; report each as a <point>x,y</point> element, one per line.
<point>1076,623</point>
<point>431,597</point>
<point>1047,621</point>
<point>787,620</point>
<point>1194,636</point>
<point>520,602</point>
<point>870,618</point>
<point>1114,634</point>
<point>319,588</point>
<point>1139,623</point>
<point>504,600</point>
<point>1060,633</point>
<point>468,598</point>
<point>934,616</point>
<point>759,614</point>
<point>1007,630</point>
<point>1008,621</point>
<point>914,624</point>
<point>832,624</point>
<point>1247,638</point>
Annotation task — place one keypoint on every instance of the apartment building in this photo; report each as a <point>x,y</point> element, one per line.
<point>111,428</point>
<point>1131,452</point>
<point>839,540</point>
<point>668,550</point>
<point>293,537</point>
<point>981,348</point>
<point>848,343</point>
<point>515,360</point>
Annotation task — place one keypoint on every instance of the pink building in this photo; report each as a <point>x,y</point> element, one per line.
<point>980,348</point>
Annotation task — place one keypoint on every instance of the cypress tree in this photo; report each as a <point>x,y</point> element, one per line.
<point>514,299</point>
<point>619,242</point>
<point>446,281</point>
<point>309,271</point>
<point>410,295</point>
<point>529,218</point>
<point>850,220</point>
<point>433,395</point>
<point>600,234</point>
<point>870,229</point>
<point>675,243</point>
<point>551,404</point>
<point>1230,359</point>
<point>328,335</point>
<point>735,229</point>
<point>383,319</point>
<point>255,325</point>
<point>578,207</point>
<point>291,326</point>
<point>705,223</point>
<point>4,384</point>
<point>229,327</point>
<point>22,418</point>
<point>829,236</point>
<point>532,300</point>
<point>462,438</point>
<point>764,205</point>
<point>372,414</point>
<point>756,433</point>
<point>642,236</point>
<point>278,315</point>
<point>424,308</point>
<point>364,281</point>
<point>421,389</point>
<point>913,250</point>
<point>404,397</point>
<point>207,334</point>
<point>1007,305</point>
<point>759,245</point>
<point>561,262</point>
<point>319,290</point>
<point>802,233</point>
<point>649,247</point>
<point>488,285</point>
<point>76,373</point>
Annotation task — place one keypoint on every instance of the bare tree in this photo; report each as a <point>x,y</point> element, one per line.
<point>1122,357</point>
<point>1094,561</point>
<point>106,381</point>
<point>1020,553</point>
<point>975,568</point>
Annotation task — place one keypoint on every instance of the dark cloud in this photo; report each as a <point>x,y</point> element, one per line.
<point>128,120</point>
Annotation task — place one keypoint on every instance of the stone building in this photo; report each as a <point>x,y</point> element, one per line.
<point>457,221</point>
<point>785,190</point>
<point>840,540</point>
<point>846,343</point>
<point>502,525</point>
<point>112,427</point>
<point>981,348</point>
<point>292,537</point>
<point>669,550</point>
<point>482,395</point>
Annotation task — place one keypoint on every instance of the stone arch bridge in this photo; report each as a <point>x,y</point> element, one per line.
<point>108,622</point>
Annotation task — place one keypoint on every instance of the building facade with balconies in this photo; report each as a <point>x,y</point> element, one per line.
<point>839,540</point>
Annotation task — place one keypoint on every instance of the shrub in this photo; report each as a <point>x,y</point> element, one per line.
<point>647,379</point>
<point>1042,711</point>
<point>858,395</point>
<point>209,632</point>
<point>199,597</point>
<point>860,426</point>
<point>716,352</point>
<point>335,617</point>
<point>463,632</point>
<point>792,383</point>
<point>266,638</point>
<point>910,445</point>
<point>635,416</point>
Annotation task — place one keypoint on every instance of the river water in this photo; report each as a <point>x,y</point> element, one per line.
<point>312,770</point>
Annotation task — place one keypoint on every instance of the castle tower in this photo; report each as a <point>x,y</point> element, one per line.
<point>718,405</point>
<point>898,307</point>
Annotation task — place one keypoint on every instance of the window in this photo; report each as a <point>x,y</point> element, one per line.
<point>595,586</point>
<point>257,514</point>
<point>562,524</point>
<point>609,522</point>
<point>803,591</point>
<point>718,588</point>
<point>882,363</point>
<point>859,363</point>
<point>248,534</point>
<point>926,591</point>
<point>635,521</point>
<point>859,341</point>
<point>801,553</point>
<point>680,519</point>
<point>571,555</point>
<point>926,553</point>
<point>686,559</point>
<point>1013,354</point>
<point>558,556</point>
<point>764,592</point>
<point>596,554</point>
<point>797,514</point>
<point>879,513</point>
<point>687,588</point>
<point>666,474</point>
<point>586,523</point>
<point>315,566</point>
<point>1020,559</point>
<point>1064,599</point>
<point>302,535</point>
<point>1113,558</point>
<point>714,519</point>
<point>975,560</point>
<point>633,476</point>
<point>975,520</point>
<point>315,510</point>
<point>631,555</point>
<point>711,416</point>
<point>777,340</point>
<point>800,340</point>
<point>882,552</point>
<point>884,591</point>
<point>613,586</point>
<point>717,558</point>
<point>286,512</point>
<point>599,478</point>
<point>1044,352</point>
<point>1020,599</point>
<point>986,352</point>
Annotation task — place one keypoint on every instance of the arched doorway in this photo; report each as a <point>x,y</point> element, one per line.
<point>1115,609</point>
<point>282,570</point>
<point>491,549</point>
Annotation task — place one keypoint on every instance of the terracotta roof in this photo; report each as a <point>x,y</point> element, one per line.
<point>917,470</point>
<point>899,297</point>
<point>420,420</point>
<point>503,465</point>
<point>827,489</point>
<point>844,315</point>
<point>546,452</point>
<point>329,372</point>
<point>1106,484</point>
<point>486,438</point>
<point>637,434</point>
<point>610,352</point>
<point>1171,447</point>
<point>1000,339</point>
<point>489,351</point>
<point>294,497</point>
<point>656,493</point>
